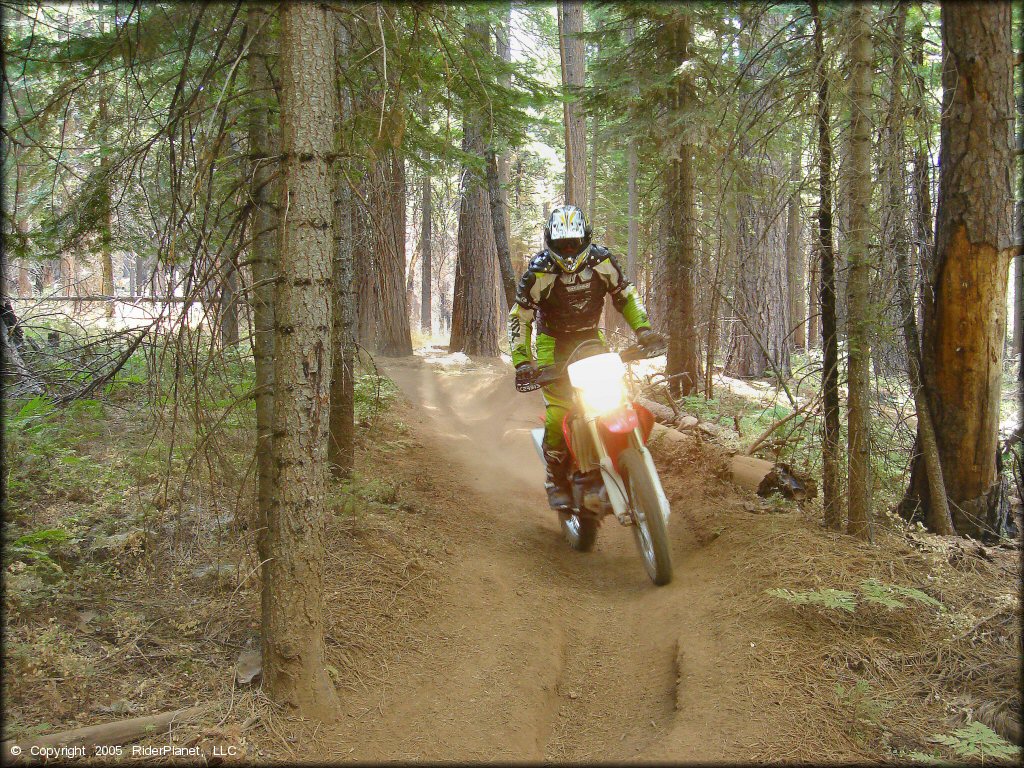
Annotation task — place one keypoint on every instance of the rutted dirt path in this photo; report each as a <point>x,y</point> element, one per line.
<point>533,651</point>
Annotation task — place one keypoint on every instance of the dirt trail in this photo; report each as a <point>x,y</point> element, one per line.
<point>534,651</point>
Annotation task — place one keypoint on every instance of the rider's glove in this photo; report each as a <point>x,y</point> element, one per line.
<point>526,373</point>
<point>647,337</point>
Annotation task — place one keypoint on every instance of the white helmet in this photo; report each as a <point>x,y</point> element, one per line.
<point>567,237</point>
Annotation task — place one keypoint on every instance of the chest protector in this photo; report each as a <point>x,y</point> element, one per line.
<point>573,303</point>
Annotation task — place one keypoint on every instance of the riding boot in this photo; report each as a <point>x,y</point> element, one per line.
<point>556,480</point>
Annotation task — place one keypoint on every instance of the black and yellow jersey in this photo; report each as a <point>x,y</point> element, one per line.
<point>566,303</point>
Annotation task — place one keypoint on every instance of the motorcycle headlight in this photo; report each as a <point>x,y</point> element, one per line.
<point>601,382</point>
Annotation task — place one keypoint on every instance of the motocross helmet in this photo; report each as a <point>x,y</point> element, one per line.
<point>567,237</point>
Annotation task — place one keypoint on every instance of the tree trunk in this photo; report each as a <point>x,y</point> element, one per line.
<point>497,171</point>
<point>499,225</point>
<point>475,308</point>
<point>445,313</point>
<point>293,630</point>
<point>426,266</point>
<point>368,285</point>
<point>965,313</point>
<point>106,195</point>
<point>264,254</point>
<point>814,298</point>
<point>657,294</point>
<point>831,491</point>
<point>795,262</point>
<point>570,27</point>
<point>939,521</point>
<point>924,221</point>
<point>633,205</point>
<point>1018,262</point>
<point>229,303</point>
<point>410,286</point>
<point>143,274</point>
<point>859,280</point>
<point>595,124</point>
<point>683,360</point>
<point>24,283</point>
<point>341,445</point>
<point>888,350</point>
<point>387,203</point>
<point>503,49</point>
<point>760,338</point>
<point>1018,301</point>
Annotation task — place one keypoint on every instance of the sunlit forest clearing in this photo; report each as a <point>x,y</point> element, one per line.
<point>271,273</point>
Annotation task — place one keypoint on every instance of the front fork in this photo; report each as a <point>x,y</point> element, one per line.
<point>614,483</point>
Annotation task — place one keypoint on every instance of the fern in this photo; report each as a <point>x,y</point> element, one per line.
<point>826,598</point>
<point>917,594</point>
<point>871,590</point>
<point>878,593</point>
<point>978,740</point>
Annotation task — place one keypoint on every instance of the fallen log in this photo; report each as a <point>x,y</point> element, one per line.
<point>758,475</point>
<point>765,478</point>
<point>665,415</point>
<point>106,734</point>
<point>660,431</point>
<point>748,471</point>
<point>662,413</point>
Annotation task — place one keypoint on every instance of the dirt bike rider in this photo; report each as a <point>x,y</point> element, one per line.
<point>563,289</point>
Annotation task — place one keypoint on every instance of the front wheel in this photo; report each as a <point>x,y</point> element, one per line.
<point>649,528</point>
<point>580,530</point>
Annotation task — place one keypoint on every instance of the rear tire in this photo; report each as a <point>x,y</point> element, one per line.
<point>649,528</point>
<point>580,531</point>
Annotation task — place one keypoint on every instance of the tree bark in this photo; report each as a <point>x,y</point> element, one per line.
<point>228,303</point>
<point>264,254</point>
<point>965,313</point>
<point>1018,267</point>
<point>859,280</point>
<point>426,265</point>
<point>497,171</point>
<point>498,224</point>
<point>760,339</point>
<point>106,196</point>
<point>475,307</point>
<point>1018,302</point>
<point>293,631</point>
<point>341,446</point>
<point>898,243</point>
<point>924,220</point>
<point>888,351</point>
<point>503,49</point>
<point>570,27</point>
<point>795,262</point>
<point>831,491</point>
<point>24,283</point>
<point>633,205</point>
<point>368,285</point>
<point>683,360</point>
<point>814,298</point>
<point>387,204</point>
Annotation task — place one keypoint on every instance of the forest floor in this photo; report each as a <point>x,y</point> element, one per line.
<point>462,627</point>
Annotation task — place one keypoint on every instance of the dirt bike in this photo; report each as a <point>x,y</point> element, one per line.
<point>611,469</point>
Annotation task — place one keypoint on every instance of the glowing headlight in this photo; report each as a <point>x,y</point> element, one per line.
<point>600,380</point>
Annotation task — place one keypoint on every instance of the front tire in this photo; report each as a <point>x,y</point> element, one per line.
<point>580,530</point>
<point>649,528</point>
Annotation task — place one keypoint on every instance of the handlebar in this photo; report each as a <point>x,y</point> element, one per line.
<point>549,374</point>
